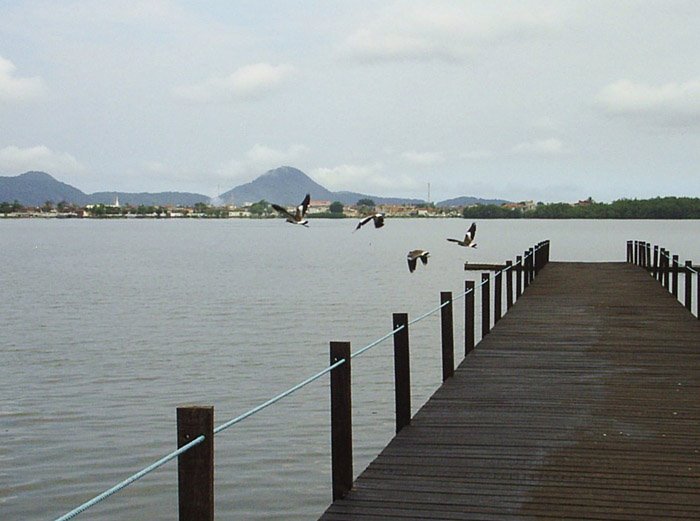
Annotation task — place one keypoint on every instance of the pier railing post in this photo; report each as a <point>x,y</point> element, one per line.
<point>485,304</point>
<point>665,275</point>
<point>656,262</point>
<point>647,255</point>
<point>448,341</point>
<point>402,373</point>
<point>195,468</point>
<point>497,296</point>
<point>469,317</point>
<point>518,276</point>
<point>341,420</point>
<point>509,284</point>
<point>526,270</point>
<point>674,286</point>
<point>688,279</point>
<point>629,252</point>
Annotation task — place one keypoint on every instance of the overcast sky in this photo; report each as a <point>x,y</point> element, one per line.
<point>551,101</point>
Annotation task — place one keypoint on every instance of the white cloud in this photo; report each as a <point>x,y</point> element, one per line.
<point>248,82</point>
<point>669,104</point>
<point>14,88</point>
<point>423,158</point>
<point>369,179</point>
<point>444,31</point>
<point>551,146</point>
<point>16,159</point>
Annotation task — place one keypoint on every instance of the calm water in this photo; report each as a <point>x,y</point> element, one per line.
<point>107,326</point>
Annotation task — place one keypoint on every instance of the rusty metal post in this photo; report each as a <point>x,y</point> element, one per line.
<point>195,468</point>
<point>402,373</point>
<point>341,420</point>
<point>448,341</point>
<point>469,317</point>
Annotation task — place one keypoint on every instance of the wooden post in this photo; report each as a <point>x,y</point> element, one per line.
<point>509,284</point>
<point>448,341</point>
<point>497,296</point>
<point>647,254</point>
<point>195,468</point>
<point>485,304</point>
<point>656,261</point>
<point>665,275</point>
<point>629,252</point>
<point>526,270</point>
<point>469,317</point>
<point>674,288</point>
<point>518,276</point>
<point>341,420</point>
<point>688,301</point>
<point>402,373</point>
<point>635,251</point>
<point>531,265</point>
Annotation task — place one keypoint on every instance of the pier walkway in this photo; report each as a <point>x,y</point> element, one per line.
<point>582,403</point>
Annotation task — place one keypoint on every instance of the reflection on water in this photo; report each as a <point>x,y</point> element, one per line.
<point>108,326</point>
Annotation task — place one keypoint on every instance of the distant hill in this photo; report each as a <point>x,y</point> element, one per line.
<point>284,185</point>
<point>288,186</point>
<point>35,188</point>
<point>469,201</point>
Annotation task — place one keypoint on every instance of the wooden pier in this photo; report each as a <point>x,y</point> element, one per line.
<point>583,402</point>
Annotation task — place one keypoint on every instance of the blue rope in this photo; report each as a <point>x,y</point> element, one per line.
<point>277,398</point>
<point>128,481</point>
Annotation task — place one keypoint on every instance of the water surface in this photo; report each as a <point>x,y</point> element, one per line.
<point>108,326</point>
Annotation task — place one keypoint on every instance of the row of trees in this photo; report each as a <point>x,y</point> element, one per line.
<point>657,208</point>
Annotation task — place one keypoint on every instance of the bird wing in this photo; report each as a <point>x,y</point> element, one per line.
<point>471,233</point>
<point>454,240</point>
<point>424,257</point>
<point>411,263</point>
<point>378,220</point>
<point>304,205</point>
<point>282,210</point>
<point>363,222</point>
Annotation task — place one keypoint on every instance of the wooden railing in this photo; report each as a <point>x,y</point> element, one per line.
<point>666,268</point>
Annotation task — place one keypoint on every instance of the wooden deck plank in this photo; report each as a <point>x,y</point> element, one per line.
<point>582,403</point>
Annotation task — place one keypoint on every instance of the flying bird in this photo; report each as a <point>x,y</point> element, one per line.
<point>298,216</point>
<point>468,241</point>
<point>413,257</point>
<point>378,219</point>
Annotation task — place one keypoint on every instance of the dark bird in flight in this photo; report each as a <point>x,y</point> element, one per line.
<point>468,241</point>
<point>378,219</point>
<point>298,216</point>
<point>413,257</point>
